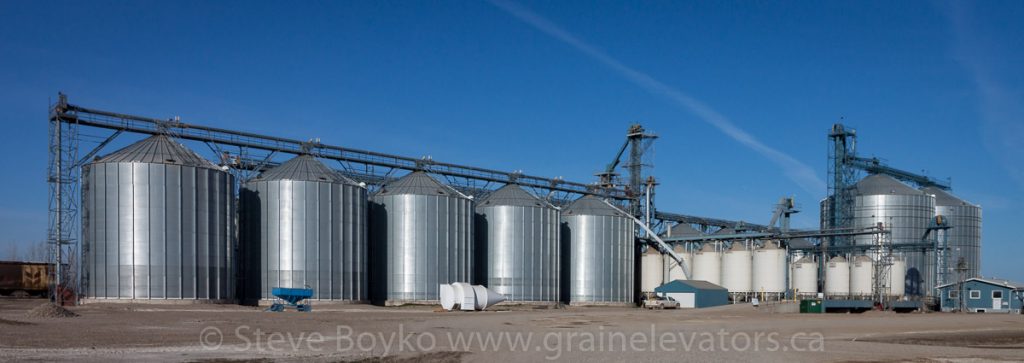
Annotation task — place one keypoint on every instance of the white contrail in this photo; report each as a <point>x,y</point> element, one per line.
<point>797,171</point>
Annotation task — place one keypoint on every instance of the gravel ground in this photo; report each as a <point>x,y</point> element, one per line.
<point>363,333</point>
<point>49,311</point>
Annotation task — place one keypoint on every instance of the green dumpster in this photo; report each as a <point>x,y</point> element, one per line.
<point>810,306</point>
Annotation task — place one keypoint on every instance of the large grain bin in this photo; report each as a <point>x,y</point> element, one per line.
<point>707,264</point>
<point>837,277</point>
<point>862,277</point>
<point>421,236</point>
<point>769,268</point>
<point>599,255</point>
<point>518,237</point>
<point>964,239</point>
<point>737,264</point>
<point>906,212</point>
<point>652,270</point>
<point>805,277</point>
<point>304,224</point>
<point>897,276</point>
<point>158,224</point>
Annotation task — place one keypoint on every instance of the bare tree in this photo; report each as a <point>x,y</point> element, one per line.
<point>38,252</point>
<point>12,250</point>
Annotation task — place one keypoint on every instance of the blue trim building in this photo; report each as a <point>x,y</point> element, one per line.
<point>694,293</point>
<point>980,295</point>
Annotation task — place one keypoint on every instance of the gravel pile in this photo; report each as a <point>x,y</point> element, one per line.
<point>50,310</point>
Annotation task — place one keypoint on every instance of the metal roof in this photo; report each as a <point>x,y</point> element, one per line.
<point>674,285</point>
<point>419,183</point>
<point>591,206</point>
<point>877,184</point>
<point>998,282</point>
<point>305,168</point>
<point>158,149</point>
<point>943,198</point>
<point>512,195</point>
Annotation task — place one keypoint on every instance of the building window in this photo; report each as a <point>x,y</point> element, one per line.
<point>997,294</point>
<point>954,294</point>
<point>975,294</point>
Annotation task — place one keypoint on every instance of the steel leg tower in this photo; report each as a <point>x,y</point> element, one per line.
<point>63,227</point>
<point>841,176</point>
<point>638,142</point>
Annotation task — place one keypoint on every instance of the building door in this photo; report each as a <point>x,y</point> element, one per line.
<point>685,299</point>
<point>997,299</point>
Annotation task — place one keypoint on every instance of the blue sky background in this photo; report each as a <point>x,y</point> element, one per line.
<point>742,94</point>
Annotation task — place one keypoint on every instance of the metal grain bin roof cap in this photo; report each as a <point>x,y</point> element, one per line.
<point>862,258</point>
<point>419,183</point>
<point>158,149</point>
<point>737,246</point>
<point>805,259</point>
<point>877,184</point>
<point>685,230</point>
<point>512,195</point>
<point>943,198</point>
<point>591,206</point>
<point>724,231</point>
<point>838,259</point>
<point>305,168</point>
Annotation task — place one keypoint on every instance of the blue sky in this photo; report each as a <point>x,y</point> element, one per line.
<point>742,94</point>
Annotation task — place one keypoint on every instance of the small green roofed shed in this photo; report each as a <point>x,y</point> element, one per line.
<point>694,293</point>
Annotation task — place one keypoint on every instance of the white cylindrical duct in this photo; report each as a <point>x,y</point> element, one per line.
<point>837,277</point>
<point>675,272</point>
<point>862,276</point>
<point>736,268</point>
<point>804,276</point>
<point>652,266</point>
<point>707,265</point>
<point>769,269</point>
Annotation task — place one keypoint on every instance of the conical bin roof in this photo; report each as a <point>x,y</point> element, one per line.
<point>158,149</point>
<point>305,168</point>
<point>418,183</point>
